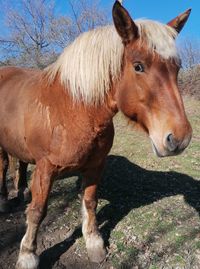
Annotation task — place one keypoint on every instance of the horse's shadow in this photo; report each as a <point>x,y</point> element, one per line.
<point>127,186</point>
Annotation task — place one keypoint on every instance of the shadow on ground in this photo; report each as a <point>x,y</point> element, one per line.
<point>127,186</point>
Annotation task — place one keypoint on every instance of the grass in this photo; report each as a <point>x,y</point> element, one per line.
<point>148,208</point>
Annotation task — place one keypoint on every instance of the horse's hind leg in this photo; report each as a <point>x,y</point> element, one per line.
<point>94,242</point>
<point>18,172</point>
<point>20,182</point>
<point>36,211</point>
<point>4,207</point>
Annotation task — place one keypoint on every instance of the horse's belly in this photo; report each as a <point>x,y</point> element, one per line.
<point>14,144</point>
<point>12,133</point>
<point>13,108</point>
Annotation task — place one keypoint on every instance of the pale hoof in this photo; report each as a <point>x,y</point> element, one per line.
<point>95,249</point>
<point>27,261</point>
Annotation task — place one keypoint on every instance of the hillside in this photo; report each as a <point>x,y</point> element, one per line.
<point>189,81</point>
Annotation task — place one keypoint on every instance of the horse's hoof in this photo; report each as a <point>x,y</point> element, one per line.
<point>4,206</point>
<point>27,261</point>
<point>95,249</point>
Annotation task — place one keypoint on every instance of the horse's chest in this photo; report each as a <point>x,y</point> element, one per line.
<point>73,148</point>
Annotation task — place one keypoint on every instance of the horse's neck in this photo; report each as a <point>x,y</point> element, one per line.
<point>60,100</point>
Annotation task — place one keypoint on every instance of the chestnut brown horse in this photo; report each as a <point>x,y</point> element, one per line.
<point>61,118</point>
<point>17,171</point>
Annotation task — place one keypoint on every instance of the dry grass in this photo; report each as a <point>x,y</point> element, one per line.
<point>189,81</point>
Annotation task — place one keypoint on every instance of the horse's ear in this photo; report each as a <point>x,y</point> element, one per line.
<point>178,22</point>
<point>124,25</point>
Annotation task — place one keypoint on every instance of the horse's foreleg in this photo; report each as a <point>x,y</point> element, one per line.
<point>36,211</point>
<point>3,187</point>
<point>94,242</point>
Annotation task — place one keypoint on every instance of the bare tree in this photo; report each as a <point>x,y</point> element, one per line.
<point>29,38</point>
<point>36,35</point>
<point>190,52</point>
<point>86,14</point>
<point>189,76</point>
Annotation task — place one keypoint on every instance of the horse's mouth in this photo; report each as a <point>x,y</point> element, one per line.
<point>156,152</point>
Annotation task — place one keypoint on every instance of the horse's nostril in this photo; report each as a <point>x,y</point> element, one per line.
<point>171,143</point>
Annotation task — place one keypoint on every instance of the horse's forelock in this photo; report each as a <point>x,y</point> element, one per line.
<point>159,38</point>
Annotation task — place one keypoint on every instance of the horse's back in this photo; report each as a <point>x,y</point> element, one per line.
<point>7,71</point>
<point>11,74</point>
<point>16,86</point>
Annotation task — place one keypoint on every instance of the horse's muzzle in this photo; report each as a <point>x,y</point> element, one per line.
<point>176,146</point>
<point>171,145</point>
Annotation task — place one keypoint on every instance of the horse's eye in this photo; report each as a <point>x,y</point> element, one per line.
<point>139,67</point>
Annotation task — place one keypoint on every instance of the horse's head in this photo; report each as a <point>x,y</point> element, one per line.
<point>148,92</point>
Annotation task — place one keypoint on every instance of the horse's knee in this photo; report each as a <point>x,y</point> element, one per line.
<point>27,258</point>
<point>36,211</point>
<point>36,214</point>
<point>90,204</point>
<point>28,246</point>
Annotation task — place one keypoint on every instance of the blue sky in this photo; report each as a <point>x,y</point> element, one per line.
<point>162,11</point>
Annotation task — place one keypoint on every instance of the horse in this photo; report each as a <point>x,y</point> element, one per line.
<point>61,118</point>
<point>18,173</point>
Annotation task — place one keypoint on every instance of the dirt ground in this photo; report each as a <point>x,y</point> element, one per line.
<point>56,243</point>
<point>156,219</point>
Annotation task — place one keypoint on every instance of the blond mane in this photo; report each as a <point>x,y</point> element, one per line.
<point>88,67</point>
